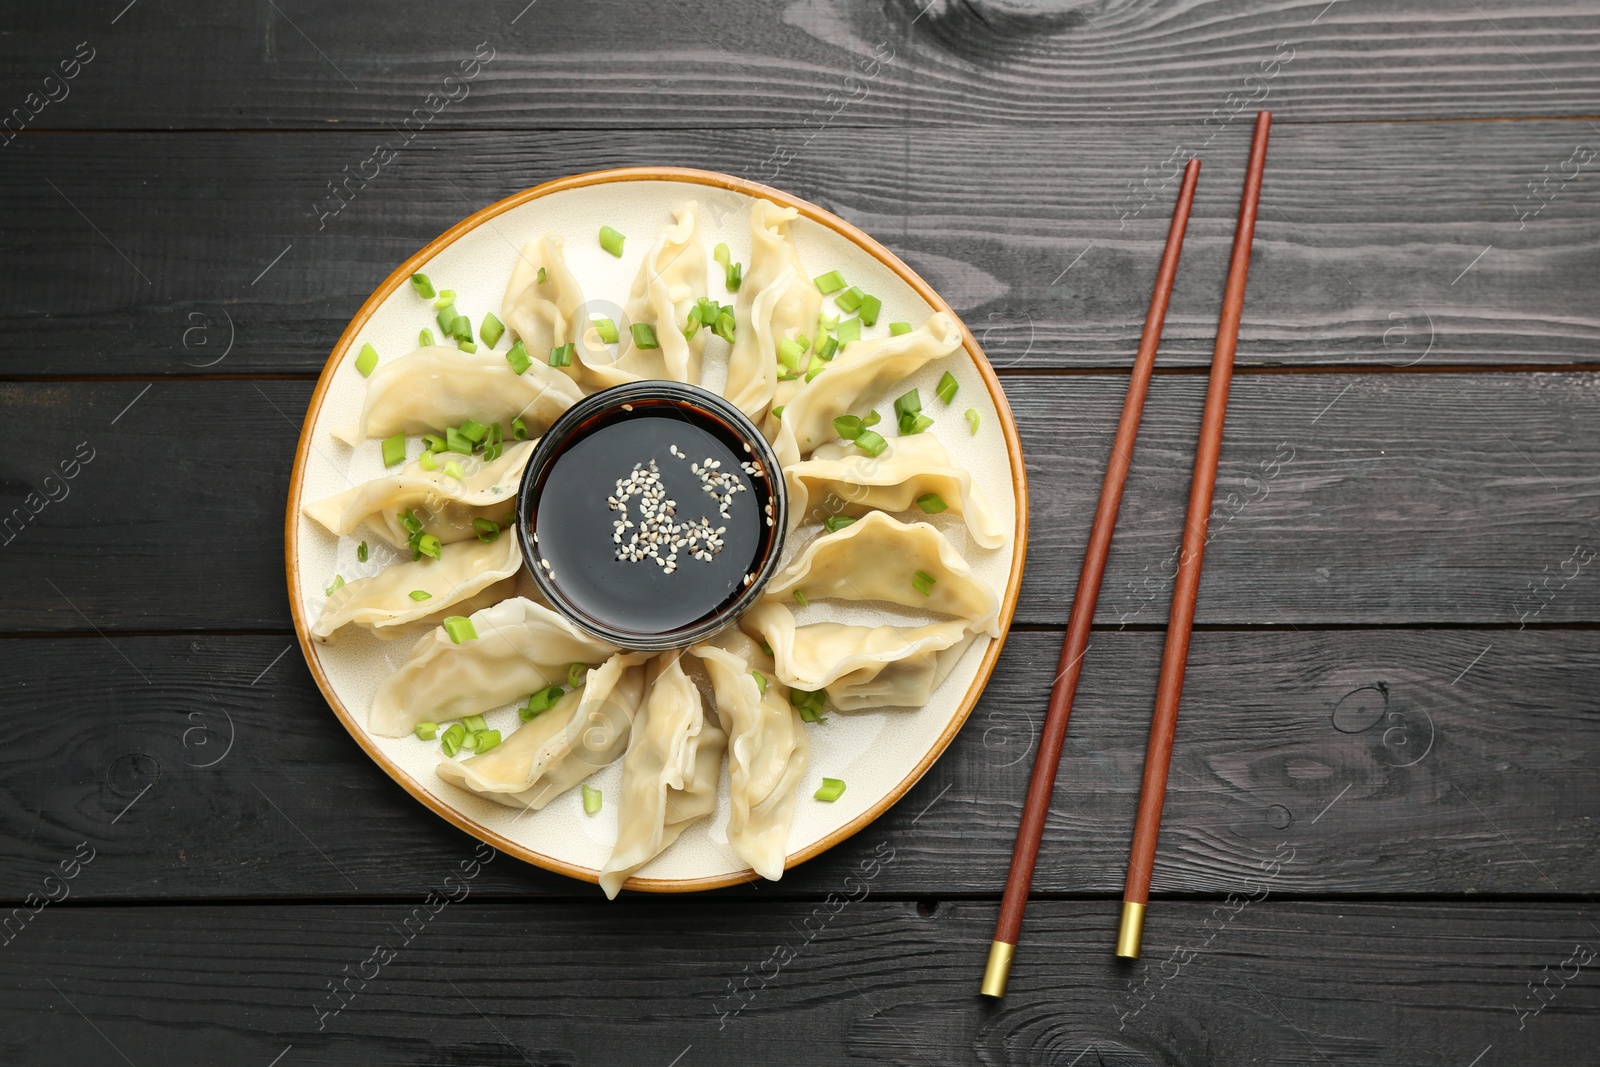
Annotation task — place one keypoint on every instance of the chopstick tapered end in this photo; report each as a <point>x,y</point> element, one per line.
<point>1130,934</point>
<point>998,969</point>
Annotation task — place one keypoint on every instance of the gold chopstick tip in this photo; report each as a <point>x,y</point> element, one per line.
<point>998,969</point>
<point>1131,932</point>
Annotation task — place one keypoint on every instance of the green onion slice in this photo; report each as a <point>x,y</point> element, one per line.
<point>452,737</point>
<point>456,441</point>
<point>809,703</point>
<point>488,530</point>
<point>428,460</point>
<point>361,552</point>
<point>898,328</point>
<point>420,595</point>
<point>923,582</point>
<point>761,682</point>
<point>850,299</point>
<point>591,800</point>
<point>474,431</point>
<point>423,286</point>
<point>908,404</point>
<point>539,280</point>
<point>445,298</point>
<point>722,255</point>
<point>800,598</point>
<point>540,702</point>
<point>815,367</point>
<point>644,335</point>
<point>427,731</point>
<point>577,674</point>
<point>409,520</point>
<point>459,627</point>
<point>519,429</point>
<point>435,443</point>
<point>425,338</point>
<point>474,723</point>
<point>832,789</point>
<point>848,426</point>
<point>777,412</point>
<point>871,308</point>
<point>486,739</point>
<point>914,424</point>
<point>561,355</point>
<point>972,421</point>
<point>947,387</point>
<point>606,329</point>
<point>835,523</point>
<point>932,503</point>
<point>518,357</point>
<point>394,450</point>
<point>453,469</point>
<point>871,442</point>
<point>830,282</point>
<point>849,330</point>
<point>789,352</point>
<point>724,326</point>
<point>366,360</point>
<point>466,346</point>
<point>429,545</point>
<point>491,330</point>
<point>871,419</point>
<point>334,586</point>
<point>611,241</point>
<point>829,347</point>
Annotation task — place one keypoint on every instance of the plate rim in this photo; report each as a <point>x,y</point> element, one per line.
<point>691,176</point>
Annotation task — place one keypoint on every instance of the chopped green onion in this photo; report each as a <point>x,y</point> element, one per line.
<point>871,419</point>
<point>644,335</point>
<point>606,329</point>
<point>766,647</point>
<point>519,429</point>
<point>508,520</point>
<point>815,367</point>
<point>474,723</point>
<point>733,277</point>
<point>409,520</point>
<point>561,355</point>
<point>826,323</point>
<point>809,703</point>
<point>428,460</point>
<point>830,282</point>
<point>691,327</point>
<point>871,308</point>
<point>394,450</point>
<point>800,598</point>
<point>334,586</point>
<point>518,358</point>
<point>452,469</point>
<point>724,326</point>
<point>871,442</point>
<point>492,450</point>
<point>789,352</point>
<point>420,595</point>
<point>591,800</point>
<point>761,682</point>
<point>452,737</point>
<point>908,404</point>
<point>946,389</point>
<point>486,739</point>
<point>427,545</point>
<point>456,441</point>
<point>474,431</point>
<point>539,280</point>
<point>832,789</point>
<point>447,320</point>
<point>361,552</point>
<point>459,627</point>
<point>445,298</point>
<point>850,299</point>
<point>923,582</point>
<point>835,523</point>
<point>427,731</point>
<point>972,421</point>
<point>721,254</point>
<point>461,329</point>
<point>540,702</point>
<point>366,360</point>
<point>488,530</point>
<point>491,330</point>
<point>787,376</point>
<point>469,741</point>
<point>931,503</point>
<point>611,241</point>
<point>577,674</point>
<point>829,347</point>
<point>777,412</point>
<point>434,442</point>
<point>425,339</point>
<point>915,424</point>
<point>423,286</point>
<point>466,346</point>
<point>849,330</point>
<point>848,426</point>
<point>898,328</point>
<point>707,310</point>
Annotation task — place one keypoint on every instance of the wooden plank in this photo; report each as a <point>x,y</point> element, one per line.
<point>854,980</point>
<point>1343,499</point>
<point>1403,245</point>
<point>705,64</point>
<point>1388,762</point>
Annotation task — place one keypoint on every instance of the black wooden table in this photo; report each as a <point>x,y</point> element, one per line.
<point>1380,843</point>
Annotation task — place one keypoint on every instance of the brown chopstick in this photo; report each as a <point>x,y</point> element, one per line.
<point>1164,723</point>
<point>1040,787</point>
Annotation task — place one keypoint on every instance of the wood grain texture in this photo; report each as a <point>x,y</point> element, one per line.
<point>694,63</point>
<point>1342,499</point>
<point>1388,246</point>
<point>1439,763</point>
<point>862,980</point>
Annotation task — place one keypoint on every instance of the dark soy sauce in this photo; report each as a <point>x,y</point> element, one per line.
<point>574,522</point>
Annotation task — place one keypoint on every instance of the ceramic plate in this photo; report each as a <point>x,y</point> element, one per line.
<point>880,754</point>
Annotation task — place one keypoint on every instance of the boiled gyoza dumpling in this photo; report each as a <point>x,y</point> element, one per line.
<point>879,558</point>
<point>521,647</point>
<point>669,773</point>
<point>841,479</point>
<point>459,577</point>
<point>671,279</point>
<point>550,313</point>
<point>776,301</point>
<point>768,750</point>
<point>588,728</point>
<point>859,666</point>
<point>861,369</point>
<point>436,387</point>
<point>445,503</point>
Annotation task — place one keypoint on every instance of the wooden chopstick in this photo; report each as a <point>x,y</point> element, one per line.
<point>1040,787</point>
<point>1185,586</point>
